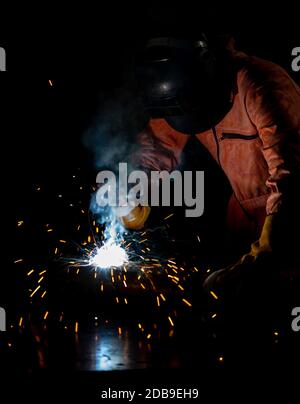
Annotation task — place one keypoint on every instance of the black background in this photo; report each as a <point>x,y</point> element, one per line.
<point>88,58</point>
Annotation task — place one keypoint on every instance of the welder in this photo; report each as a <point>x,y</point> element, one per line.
<point>246,112</point>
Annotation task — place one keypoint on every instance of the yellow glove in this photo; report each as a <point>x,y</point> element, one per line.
<point>223,278</point>
<point>263,244</point>
<point>136,218</point>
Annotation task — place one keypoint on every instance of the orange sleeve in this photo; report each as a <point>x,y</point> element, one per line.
<point>159,147</point>
<point>273,104</point>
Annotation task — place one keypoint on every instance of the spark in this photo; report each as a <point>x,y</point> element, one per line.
<point>30,272</point>
<point>163,297</point>
<point>76,327</point>
<point>19,260</point>
<point>213,295</point>
<point>35,290</point>
<point>109,255</point>
<point>46,315</point>
<point>171,321</point>
<point>20,321</point>
<point>167,217</point>
<point>187,302</point>
<point>50,82</point>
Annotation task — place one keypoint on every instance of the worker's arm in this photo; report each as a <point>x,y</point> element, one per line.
<point>272,101</point>
<point>158,148</point>
<point>273,104</point>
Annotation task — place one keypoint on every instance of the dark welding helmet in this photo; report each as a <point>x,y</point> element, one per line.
<point>181,81</point>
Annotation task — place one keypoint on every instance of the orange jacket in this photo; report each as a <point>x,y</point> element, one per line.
<point>257,144</point>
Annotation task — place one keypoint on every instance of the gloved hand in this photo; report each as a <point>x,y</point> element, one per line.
<point>231,276</point>
<point>136,218</point>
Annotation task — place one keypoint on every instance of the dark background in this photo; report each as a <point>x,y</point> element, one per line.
<point>89,60</point>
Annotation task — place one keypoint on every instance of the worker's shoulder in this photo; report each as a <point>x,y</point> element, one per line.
<point>255,72</point>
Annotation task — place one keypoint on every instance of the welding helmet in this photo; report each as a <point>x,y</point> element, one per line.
<point>182,81</point>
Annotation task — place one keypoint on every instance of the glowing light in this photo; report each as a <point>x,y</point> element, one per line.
<point>214,295</point>
<point>19,260</point>
<point>109,255</point>
<point>187,302</point>
<point>34,292</point>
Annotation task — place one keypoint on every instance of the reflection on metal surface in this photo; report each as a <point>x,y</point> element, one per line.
<point>109,351</point>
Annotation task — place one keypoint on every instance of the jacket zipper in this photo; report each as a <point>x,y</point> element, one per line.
<point>238,136</point>
<point>250,217</point>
